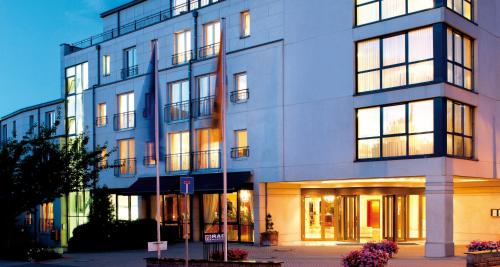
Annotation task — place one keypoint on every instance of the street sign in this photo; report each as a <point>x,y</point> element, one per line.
<point>213,238</point>
<point>153,246</point>
<point>187,185</point>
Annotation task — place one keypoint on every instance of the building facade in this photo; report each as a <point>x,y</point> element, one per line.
<point>347,121</point>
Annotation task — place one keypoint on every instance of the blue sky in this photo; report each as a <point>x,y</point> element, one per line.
<point>30,34</point>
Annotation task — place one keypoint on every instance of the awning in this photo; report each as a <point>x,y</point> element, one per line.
<point>208,182</point>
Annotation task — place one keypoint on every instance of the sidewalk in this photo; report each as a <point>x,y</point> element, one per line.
<point>309,256</point>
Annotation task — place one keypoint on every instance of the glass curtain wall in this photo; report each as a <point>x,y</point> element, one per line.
<point>368,11</point>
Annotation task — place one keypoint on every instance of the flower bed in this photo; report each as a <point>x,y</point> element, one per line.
<point>153,262</point>
<point>372,254</point>
<point>234,254</point>
<point>483,253</point>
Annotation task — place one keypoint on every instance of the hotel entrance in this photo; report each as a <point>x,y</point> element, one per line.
<point>361,215</point>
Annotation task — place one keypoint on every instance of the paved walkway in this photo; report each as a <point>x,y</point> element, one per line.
<point>309,256</point>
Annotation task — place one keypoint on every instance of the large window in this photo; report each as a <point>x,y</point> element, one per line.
<point>240,149</point>
<point>126,162</point>
<point>178,157</point>
<point>462,7</point>
<point>77,80</point>
<point>206,95</point>
<point>130,63</point>
<point>396,130</point>
<point>460,59</point>
<point>178,101</point>
<point>125,119</point>
<point>368,11</point>
<point>459,128</point>
<point>102,117</point>
<point>211,39</point>
<point>78,209</point>
<point>241,92</point>
<point>207,155</point>
<point>182,47</point>
<point>126,207</point>
<point>395,61</point>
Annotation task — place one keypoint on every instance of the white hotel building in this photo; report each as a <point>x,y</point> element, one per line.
<point>348,121</point>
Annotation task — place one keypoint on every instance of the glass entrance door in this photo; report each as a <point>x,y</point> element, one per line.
<point>319,217</point>
<point>348,218</point>
<point>388,217</point>
<point>394,217</point>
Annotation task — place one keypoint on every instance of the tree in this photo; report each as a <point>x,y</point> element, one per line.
<point>102,210</point>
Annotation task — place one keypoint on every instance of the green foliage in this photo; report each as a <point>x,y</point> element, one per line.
<point>269,223</point>
<point>102,210</point>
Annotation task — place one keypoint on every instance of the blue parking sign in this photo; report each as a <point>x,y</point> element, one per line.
<point>187,185</point>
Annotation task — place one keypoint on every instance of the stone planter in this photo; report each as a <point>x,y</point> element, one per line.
<point>483,258</point>
<point>153,262</point>
<point>269,239</point>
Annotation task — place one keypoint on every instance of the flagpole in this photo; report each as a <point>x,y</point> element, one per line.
<point>157,150</point>
<point>224,143</point>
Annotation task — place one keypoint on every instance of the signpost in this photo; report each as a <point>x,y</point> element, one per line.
<point>153,246</point>
<point>186,188</point>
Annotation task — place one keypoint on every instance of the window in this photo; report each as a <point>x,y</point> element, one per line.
<point>4,133</point>
<point>104,158</point>
<point>127,207</point>
<point>240,93</point>
<point>396,130</point>
<point>126,161</point>
<point>102,118</point>
<point>76,82</point>
<point>180,6</point>
<point>207,155</point>
<point>31,123</point>
<point>206,94</point>
<point>150,156</point>
<point>46,217</point>
<point>50,119</point>
<point>245,23</point>
<point>460,59</point>
<point>130,59</point>
<point>211,39</point>
<point>178,106</point>
<point>125,119</point>
<point>77,79</point>
<point>178,158</point>
<point>462,7</point>
<point>395,61</point>
<point>240,149</point>
<point>368,11</point>
<point>78,209</point>
<point>182,47</point>
<point>14,129</point>
<point>459,128</point>
<point>106,65</point>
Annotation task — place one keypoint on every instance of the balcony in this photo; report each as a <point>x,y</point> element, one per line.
<point>206,160</point>
<point>178,111</point>
<point>130,72</point>
<point>208,51</point>
<point>149,161</point>
<point>240,96</point>
<point>124,121</point>
<point>181,58</point>
<point>101,121</point>
<point>125,167</point>
<point>176,163</point>
<point>240,152</point>
<point>204,106</point>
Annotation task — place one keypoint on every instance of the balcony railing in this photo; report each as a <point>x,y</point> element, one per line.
<point>240,152</point>
<point>125,167</point>
<point>177,111</point>
<point>149,161</point>
<point>204,106</point>
<point>240,96</point>
<point>181,58</point>
<point>177,162</point>
<point>206,160</point>
<point>209,51</point>
<point>124,121</point>
<point>102,121</point>
<point>142,23</point>
<point>130,72</point>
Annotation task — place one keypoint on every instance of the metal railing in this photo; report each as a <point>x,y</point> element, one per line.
<point>178,111</point>
<point>149,161</point>
<point>177,162</point>
<point>125,167</point>
<point>130,71</point>
<point>123,121</point>
<point>206,160</point>
<point>142,23</point>
<point>240,152</point>
<point>101,121</point>
<point>209,51</point>
<point>204,106</point>
<point>181,58</point>
<point>240,96</point>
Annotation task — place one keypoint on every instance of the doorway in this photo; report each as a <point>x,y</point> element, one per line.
<point>319,215</point>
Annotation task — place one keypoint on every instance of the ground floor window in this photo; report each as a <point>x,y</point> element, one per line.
<point>174,214</point>
<point>46,217</point>
<point>78,209</point>
<point>126,207</point>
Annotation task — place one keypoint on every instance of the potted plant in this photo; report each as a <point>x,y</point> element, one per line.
<point>270,236</point>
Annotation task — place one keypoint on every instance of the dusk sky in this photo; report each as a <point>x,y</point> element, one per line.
<point>30,34</point>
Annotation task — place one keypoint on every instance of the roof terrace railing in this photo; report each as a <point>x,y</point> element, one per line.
<point>143,23</point>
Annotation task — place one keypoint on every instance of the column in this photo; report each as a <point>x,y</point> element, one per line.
<point>259,209</point>
<point>439,217</point>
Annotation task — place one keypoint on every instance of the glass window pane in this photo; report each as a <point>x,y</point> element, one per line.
<point>394,119</point>
<point>458,145</point>
<point>458,73</point>
<point>394,77</point>
<point>394,146</point>
<point>467,121</point>
<point>457,6</point>
<point>369,148</point>
<point>449,116</point>
<point>421,116</point>
<point>368,81</point>
<point>123,208</point>
<point>421,144</point>
<point>393,8</point>
<point>467,79</point>
<point>458,47</point>
<point>367,13</point>
<point>420,44</point>
<point>394,50</point>
<point>421,72</point>
<point>467,53</point>
<point>417,5</point>
<point>468,147</point>
<point>450,72</point>
<point>458,118</point>
<point>134,208</point>
<point>368,55</point>
<point>449,41</point>
<point>449,144</point>
<point>467,10</point>
<point>369,122</point>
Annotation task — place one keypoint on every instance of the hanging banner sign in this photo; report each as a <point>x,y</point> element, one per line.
<point>213,238</point>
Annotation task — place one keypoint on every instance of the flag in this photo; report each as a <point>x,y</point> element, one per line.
<point>150,97</point>
<point>220,87</point>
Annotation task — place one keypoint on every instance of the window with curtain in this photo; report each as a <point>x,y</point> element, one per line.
<point>460,59</point>
<point>462,7</point>
<point>396,130</point>
<point>208,149</point>
<point>368,11</point>
<point>395,61</point>
<point>46,217</point>
<point>459,128</point>
<point>211,213</point>
<point>178,157</point>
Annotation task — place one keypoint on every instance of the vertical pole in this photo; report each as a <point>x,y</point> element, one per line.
<point>186,241</point>
<point>224,143</point>
<point>157,153</point>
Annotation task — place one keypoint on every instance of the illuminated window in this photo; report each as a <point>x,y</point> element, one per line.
<point>102,119</point>
<point>240,93</point>
<point>150,156</point>
<point>462,7</point>
<point>178,157</point>
<point>47,217</point>
<point>460,121</point>
<point>396,130</point>
<point>206,95</point>
<point>460,56</point>
<point>78,209</point>
<point>211,39</point>
<point>182,47</point>
<point>404,59</point>
<point>368,11</point>
<point>240,149</point>
<point>126,161</point>
<point>208,150</point>
<point>127,208</point>
<point>125,119</point>
<point>245,24</point>
<point>77,80</point>
<point>106,65</point>
<point>178,101</point>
